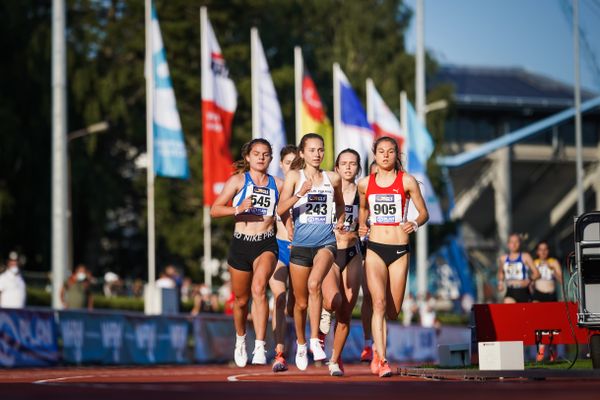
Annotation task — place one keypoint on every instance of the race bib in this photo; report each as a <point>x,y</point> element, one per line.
<point>317,209</point>
<point>351,218</point>
<point>513,271</point>
<point>385,208</point>
<point>263,201</point>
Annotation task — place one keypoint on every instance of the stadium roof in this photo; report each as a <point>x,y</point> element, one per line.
<point>510,87</point>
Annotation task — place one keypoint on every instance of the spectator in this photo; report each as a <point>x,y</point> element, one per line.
<point>203,301</point>
<point>111,284</point>
<point>187,289</point>
<point>427,313</point>
<point>409,308</point>
<point>12,285</point>
<point>76,292</point>
<point>165,281</point>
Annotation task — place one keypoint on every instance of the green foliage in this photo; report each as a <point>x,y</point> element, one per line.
<point>105,43</point>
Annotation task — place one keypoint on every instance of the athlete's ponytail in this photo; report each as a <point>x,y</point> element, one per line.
<point>398,162</point>
<point>242,165</point>
<point>298,162</point>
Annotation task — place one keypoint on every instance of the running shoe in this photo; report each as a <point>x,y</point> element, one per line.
<point>279,364</point>
<point>367,354</point>
<point>259,354</point>
<point>316,347</point>
<point>335,370</point>
<point>301,356</point>
<point>375,363</point>
<point>552,356</point>
<point>325,323</point>
<point>239,354</point>
<point>384,369</point>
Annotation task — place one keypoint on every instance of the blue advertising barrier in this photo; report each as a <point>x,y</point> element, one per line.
<point>111,338</point>
<point>27,338</point>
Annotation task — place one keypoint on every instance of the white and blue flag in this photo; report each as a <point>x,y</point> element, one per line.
<point>353,130</point>
<point>267,117</point>
<point>170,156</point>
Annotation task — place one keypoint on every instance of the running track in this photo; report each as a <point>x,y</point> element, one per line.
<point>202,382</point>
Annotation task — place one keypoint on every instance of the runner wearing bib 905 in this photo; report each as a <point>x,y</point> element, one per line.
<point>342,283</point>
<point>384,199</point>
<point>311,193</point>
<point>253,252</point>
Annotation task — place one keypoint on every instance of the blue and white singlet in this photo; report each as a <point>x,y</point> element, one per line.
<point>264,198</point>
<point>515,270</point>
<point>313,214</point>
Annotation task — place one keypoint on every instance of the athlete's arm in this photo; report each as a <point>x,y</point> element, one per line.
<point>363,209</point>
<point>284,218</point>
<point>412,187</point>
<point>535,273</point>
<point>220,207</point>
<point>338,197</point>
<point>500,274</point>
<point>288,199</point>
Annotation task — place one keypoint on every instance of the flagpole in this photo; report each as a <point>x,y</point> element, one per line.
<point>298,72</point>
<point>150,147</point>
<point>205,65</point>
<point>422,234</point>
<point>577,95</point>
<point>404,125</point>
<point>255,83</point>
<point>337,111</point>
<point>370,118</point>
<point>60,156</point>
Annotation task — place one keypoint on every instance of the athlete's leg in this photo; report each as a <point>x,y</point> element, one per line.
<point>398,272</point>
<point>321,266</point>
<point>263,269</point>
<point>299,277</point>
<point>240,286</point>
<point>366,309</point>
<point>277,283</point>
<point>350,284</point>
<point>377,280</point>
<point>332,298</point>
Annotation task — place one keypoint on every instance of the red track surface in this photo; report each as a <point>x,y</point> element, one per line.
<point>222,382</point>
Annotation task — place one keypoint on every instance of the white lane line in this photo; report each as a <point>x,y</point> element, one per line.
<point>62,379</point>
<point>235,378</point>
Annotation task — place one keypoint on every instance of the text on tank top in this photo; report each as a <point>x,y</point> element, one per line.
<point>264,198</point>
<point>316,207</point>
<point>387,205</point>
<point>546,273</point>
<point>351,219</point>
<point>515,270</point>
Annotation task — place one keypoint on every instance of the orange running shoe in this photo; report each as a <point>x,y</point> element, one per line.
<point>540,355</point>
<point>384,369</point>
<point>279,364</point>
<point>375,363</point>
<point>367,354</point>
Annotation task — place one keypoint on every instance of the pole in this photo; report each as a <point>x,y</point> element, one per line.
<point>337,110</point>
<point>578,138</point>
<point>59,152</point>
<point>150,146</point>
<point>298,72</point>
<point>205,89</point>
<point>422,234</point>
<point>255,83</point>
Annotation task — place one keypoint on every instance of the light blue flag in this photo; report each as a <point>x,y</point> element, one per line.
<point>170,156</point>
<point>420,147</point>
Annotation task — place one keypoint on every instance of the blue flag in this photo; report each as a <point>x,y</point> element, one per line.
<point>170,156</point>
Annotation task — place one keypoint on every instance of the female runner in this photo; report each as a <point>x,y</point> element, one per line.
<point>515,272</point>
<point>384,199</point>
<point>278,281</point>
<point>310,192</point>
<point>253,251</point>
<point>342,283</point>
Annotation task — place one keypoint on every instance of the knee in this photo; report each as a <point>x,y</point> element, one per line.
<point>258,290</point>
<point>314,286</point>
<point>336,303</point>
<point>301,305</point>
<point>379,306</point>
<point>242,301</point>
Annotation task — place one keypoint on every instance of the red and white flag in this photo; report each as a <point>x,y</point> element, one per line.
<point>219,101</point>
<point>382,119</point>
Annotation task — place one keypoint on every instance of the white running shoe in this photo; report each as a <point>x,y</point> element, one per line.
<point>325,322</point>
<point>316,347</point>
<point>301,356</point>
<point>259,354</point>
<point>239,354</point>
<point>335,370</point>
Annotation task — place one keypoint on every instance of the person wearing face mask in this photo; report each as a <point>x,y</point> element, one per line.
<point>12,285</point>
<point>76,292</point>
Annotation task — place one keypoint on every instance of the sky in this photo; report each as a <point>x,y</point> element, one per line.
<point>532,34</point>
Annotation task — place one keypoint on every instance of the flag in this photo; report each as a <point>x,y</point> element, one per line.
<point>267,119</point>
<point>170,157</point>
<point>352,129</point>
<point>310,113</point>
<point>420,147</point>
<point>219,101</point>
<point>382,119</point>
